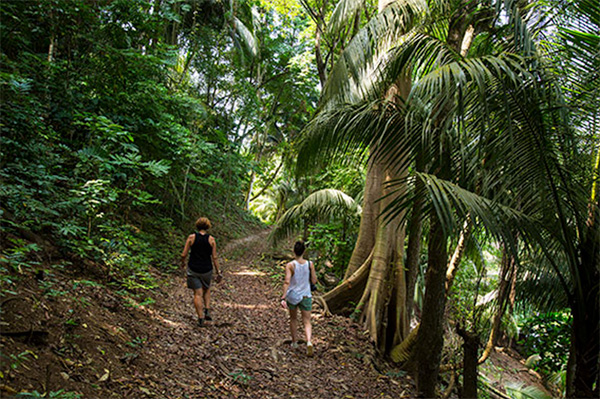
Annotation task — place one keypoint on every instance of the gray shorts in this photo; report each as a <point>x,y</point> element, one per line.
<point>199,280</point>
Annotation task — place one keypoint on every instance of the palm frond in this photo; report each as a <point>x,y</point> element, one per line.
<point>245,38</point>
<point>356,74</point>
<point>320,205</point>
<point>521,391</point>
<point>519,22</point>
<point>452,203</point>
<point>538,283</point>
<point>343,13</point>
<point>333,133</point>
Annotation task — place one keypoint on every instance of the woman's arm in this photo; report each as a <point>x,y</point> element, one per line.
<point>215,260</point>
<point>289,270</point>
<point>313,273</point>
<point>186,248</point>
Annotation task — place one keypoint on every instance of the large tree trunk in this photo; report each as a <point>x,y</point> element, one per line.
<point>399,314</point>
<point>375,294</point>
<point>373,285</point>
<point>379,252</point>
<point>368,222</point>
<point>338,299</point>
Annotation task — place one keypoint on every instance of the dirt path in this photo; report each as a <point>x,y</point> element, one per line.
<point>104,343</point>
<point>245,351</point>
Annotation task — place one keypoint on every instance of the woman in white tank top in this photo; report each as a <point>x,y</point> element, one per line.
<point>299,274</point>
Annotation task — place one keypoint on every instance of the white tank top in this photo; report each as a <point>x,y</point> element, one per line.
<point>299,283</point>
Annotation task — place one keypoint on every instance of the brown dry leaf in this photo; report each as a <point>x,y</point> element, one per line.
<point>104,376</point>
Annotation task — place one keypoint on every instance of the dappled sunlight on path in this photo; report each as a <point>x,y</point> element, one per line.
<point>248,273</point>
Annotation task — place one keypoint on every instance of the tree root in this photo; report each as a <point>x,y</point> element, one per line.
<point>319,299</point>
<point>402,352</point>
<point>340,295</point>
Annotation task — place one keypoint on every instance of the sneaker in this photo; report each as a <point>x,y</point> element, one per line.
<point>207,315</point>
<point>294,345</point>
<point>309,349</point>
<point>200,322</point>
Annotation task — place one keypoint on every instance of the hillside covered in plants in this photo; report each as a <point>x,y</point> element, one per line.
<point>440,158</point>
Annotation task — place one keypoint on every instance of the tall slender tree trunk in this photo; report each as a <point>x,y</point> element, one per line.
<point>321,66</point>
<point>585,305</point>
<point>413,254</point>
<point>465,233</point>
<point>413,250</point>
<point>430,339</point>
<point>470,347</point>
<point>586,319</point>
<point>507,274</point>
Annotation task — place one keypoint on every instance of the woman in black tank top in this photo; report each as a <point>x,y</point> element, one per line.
<point>202,248</point>
<point>200,260</point>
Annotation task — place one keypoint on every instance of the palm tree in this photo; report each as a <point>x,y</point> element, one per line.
<point>520,143</point>
<point>379,245</point>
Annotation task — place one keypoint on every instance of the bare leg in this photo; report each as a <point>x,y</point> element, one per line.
<point>206,296</point>
<point>294,324</point>
<point>307,325</point>
<point>198,302</point>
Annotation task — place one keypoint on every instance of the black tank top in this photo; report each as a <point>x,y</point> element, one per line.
<point>200,256</point>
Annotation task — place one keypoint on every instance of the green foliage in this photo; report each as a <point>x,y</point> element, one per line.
<point>547,335</point>
<point>475,286</point>
<point>240,377</point>
<point>14,261</point>
<point>101,151</point>
<point>47,286</point>
<point>137,342</point>
<point>320,206</point>
<point>18,257</point>
<point>332,242</point>
<point>17,360</point>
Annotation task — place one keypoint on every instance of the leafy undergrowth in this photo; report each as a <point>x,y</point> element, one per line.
<point>65,335</point>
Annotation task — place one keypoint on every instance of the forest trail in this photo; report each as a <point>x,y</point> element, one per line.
<point>101,343</point>
<point>245,351</point>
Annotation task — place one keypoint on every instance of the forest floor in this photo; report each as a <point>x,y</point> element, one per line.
<point>81,338</point>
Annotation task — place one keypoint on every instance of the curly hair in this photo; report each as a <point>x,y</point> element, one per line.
<point>203,223</point>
